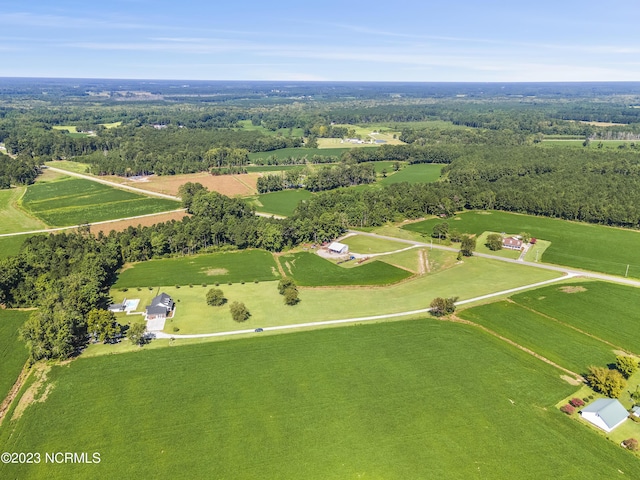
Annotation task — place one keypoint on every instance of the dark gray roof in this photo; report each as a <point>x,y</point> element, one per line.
<point>156,310</point>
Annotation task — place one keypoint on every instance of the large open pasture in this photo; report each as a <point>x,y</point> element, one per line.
<point>15,219</point>
<point>415,399</point>
<point>13,353</point>
<point>606,310</point>
<point>70,201</point>
<point>367,245</point>
<point>283,202</point>
<point>338,302</point>
<point>242,266</point>
<point>418,173</point>
<point>308,269</point>
<point>580,245</point>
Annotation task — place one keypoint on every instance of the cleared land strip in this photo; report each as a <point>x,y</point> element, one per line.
<point>360,319</point>
<point>57,229</point>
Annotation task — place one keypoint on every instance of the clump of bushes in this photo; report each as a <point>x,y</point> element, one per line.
<point>577,402</point>
<point>288,288</point>
<point>215,297</point>
<point>609,382</point>
<point>568,409</point>
<point>239,312</point>
<point>631,444</point>
<point>177,286</point>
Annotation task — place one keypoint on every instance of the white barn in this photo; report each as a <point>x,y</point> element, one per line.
<point>605,413</point>
<point>337,247</point>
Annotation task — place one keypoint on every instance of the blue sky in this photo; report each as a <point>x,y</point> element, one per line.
<point>327,40</point>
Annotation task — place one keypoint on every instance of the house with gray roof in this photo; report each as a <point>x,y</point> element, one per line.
<point>605,413</point>
<point>161,306</point>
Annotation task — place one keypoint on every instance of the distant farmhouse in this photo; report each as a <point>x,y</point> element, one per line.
<point>605,413</point>
<point>512,243</point>
<point>161,306</point>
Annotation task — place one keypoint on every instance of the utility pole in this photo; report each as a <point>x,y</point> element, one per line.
<point>627,272</point>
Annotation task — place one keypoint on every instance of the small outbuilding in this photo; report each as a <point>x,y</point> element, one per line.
<point>117,307</point>
<point>605,413</point>
<point>337,247</point>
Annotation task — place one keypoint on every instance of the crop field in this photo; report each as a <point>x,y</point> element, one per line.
<point>559,343</point>
<point>14,219</point>
<point>365,401</point>
<point>230,185</point>
<point>122,225</point>
<point>580,245</point>
<point>283,202</point>
<point>418,173</point>
<point>606,310</point>
<point>308,269</point>
<point>247,265</point>
<point>365,245</point>
<point>271,168</point>
<point>71,201</point>
<point>297,153</point>
<point>13,353</point>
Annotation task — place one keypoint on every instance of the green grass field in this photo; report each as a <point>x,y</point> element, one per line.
<point>297,153</point>
<point>580,245</point>
<point>605,310</point>
<point>77,167</point>
<point>246,265</point>
<point>283,202</point>
<point>559,343</point>
<point>366,245</point>
<point>308,269</point>
<point>11,245</point>
<point>13,353</point>
<point>447,278</point>
<point>418,399</point>
<point>14,219</point>
<point>71,201</point>
<point>419,173</point>
<point>271,168</point>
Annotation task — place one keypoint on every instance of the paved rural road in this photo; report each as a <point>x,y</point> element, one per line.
<point>567,273</point>
<point>360,319</point>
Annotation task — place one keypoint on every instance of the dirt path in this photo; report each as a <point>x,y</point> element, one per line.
<point>572,327</point>
<point>6,403</point>
<point>454,318</point>
<point>280,269</point>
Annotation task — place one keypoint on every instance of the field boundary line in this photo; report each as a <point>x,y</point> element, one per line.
<point>15,389</point>
<point>456,319</point>
<point>572,327</point>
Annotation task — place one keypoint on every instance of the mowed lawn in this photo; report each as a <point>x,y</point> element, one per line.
<point>11,245</point>
<point>71,201</point>
<point>14,219</point>
<point>559,343</point>
<point>366,245</point>
<point>417,399</point>
<point>240,266</point>
<point>418,173</point>
<point>606,310</point>
<point>580,245</point>
<point>267,307</point>
<point>13,352</point>
<point>283,202</point>
<point>309,269</point>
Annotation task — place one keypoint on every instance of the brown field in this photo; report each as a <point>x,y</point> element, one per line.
<point>230,185</point>
<point>121,225</point>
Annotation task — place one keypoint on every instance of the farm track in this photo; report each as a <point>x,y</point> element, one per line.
<point>456,319</point>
